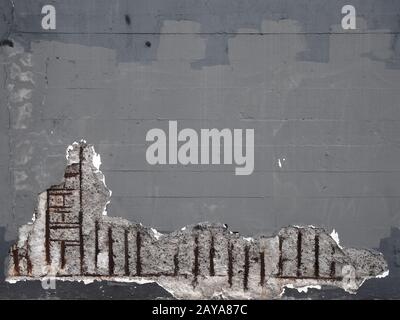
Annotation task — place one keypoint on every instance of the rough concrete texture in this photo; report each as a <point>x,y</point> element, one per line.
<point>72,238</point>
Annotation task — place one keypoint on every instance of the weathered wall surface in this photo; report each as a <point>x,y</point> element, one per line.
<point>323,102</point>
<point>72,238</point>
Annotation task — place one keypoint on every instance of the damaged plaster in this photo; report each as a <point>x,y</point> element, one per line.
<point>72,238</point>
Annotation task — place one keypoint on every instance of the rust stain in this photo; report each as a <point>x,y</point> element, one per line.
<point>126,251</point>
<point>62,253</point>
<point>299,239</point>
<point>262,268</point>
<point>280,261</point>
<point>110,252</point>
<point>196,260</point>
<point>333,264</point>
<point>138,258</point>
<point>176,264</point>
<point>15,254</point>
<point>246,268</point>
<point>47,229</point>
<point>230,263</point>
<point>316,250</point>
<point>81,244</point>
<point>96,243</point>
<point>212,255</point>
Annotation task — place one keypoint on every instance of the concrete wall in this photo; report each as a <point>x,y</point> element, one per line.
<point>324,104</point>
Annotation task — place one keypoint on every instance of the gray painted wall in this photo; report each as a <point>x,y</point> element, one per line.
<point>323,99</point>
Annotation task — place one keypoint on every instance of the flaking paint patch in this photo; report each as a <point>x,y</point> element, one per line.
<point>335,236</point>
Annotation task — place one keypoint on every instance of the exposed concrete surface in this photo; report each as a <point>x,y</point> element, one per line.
<point>72,238</point>
<point>323,102</point>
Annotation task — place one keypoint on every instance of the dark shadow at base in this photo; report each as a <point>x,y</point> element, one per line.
<point>75,290</point>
